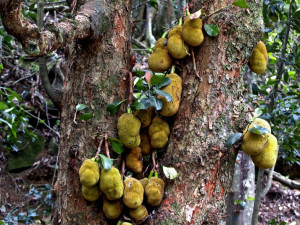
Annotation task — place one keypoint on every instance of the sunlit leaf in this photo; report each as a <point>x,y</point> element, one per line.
<point>170,172</point>
<point>240,3</point>
<point>106,162</point>
<point>80,107</point>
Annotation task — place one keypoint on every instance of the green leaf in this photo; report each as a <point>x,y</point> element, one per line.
<point>255,89</point>
<point>240,3</point>
<point>114,107</point>
<point>155,102</point>
<point>137,105</point>
<point>166,81</point>
<point>3,105</point>
<point>86,116</point>
<point>106,162</point>
<point>211,29</point>
<point>233,139</point>
<point>156,79</point>
<point>164,94</point>
<point>116,145</point>
<point>259,130</point>
<point>250,198</point>
<point>4,121</point>
<point>170,172</point>
<point>80,107</point>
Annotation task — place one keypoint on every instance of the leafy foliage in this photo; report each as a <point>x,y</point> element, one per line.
<point>233,139</point>
<point>211,29</point>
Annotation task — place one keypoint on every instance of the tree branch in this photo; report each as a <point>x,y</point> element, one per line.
<point>286,181</point>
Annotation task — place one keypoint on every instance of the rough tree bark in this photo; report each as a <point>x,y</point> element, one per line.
<point>97,45</point>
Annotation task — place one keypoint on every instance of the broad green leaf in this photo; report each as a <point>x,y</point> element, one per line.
<point>14,94</point>
<point>258,129</point>
<point>116,145</point>
<point>80,107</point>
<point>233,139</point>
<point>3,105</point>
<point>114,107</point>
<point>86,116</point>
<point>211,29</point>
<point>155,102</point>
<point>156,79</point>
<point>255,89</point>
<point>164,94</point>
<point>137,105</point>
<point>166,81</point>
<point>170,172</point>
<point>106,162</point>
<point>146,102</point>
<point>240,3</point>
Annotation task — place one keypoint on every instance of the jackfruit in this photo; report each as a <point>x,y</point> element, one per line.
<point>267,158</point>
<point>133,193</point>
<point>144,182</point>
<point>139,213</point>
<point>134,161</point>
<point>128,129</point>
<point>112,209</point>
<point>154,191</point>
<point>125,223</point>
<point>158,132</point>
<point>145,143</point>
<point>254,144</point>
<point>91,193</point>
<point>176,46</point>
<point>89,173</point>
<point>192,31</point>
<point>259,58</point>
<point>145,116</point>
<point>111,183</point>
<point>160,60</point>
<point>174,89</point>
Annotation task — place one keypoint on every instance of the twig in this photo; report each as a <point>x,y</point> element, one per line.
<point>99,148</point>
<point>251,111</point>
<point>24,78</point>
<point>153,161</point>
<point>257,197</point>
<point>74,120</point>
<point>123,168</point>
<point>47,113</point>
<point>194,62</point>
<point>225,7</point>
<point>286,181</point>
<point>130,88</point>
<point>106,146</point>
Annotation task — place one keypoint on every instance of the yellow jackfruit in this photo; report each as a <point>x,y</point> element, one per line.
<point>89,173</point>
<point>259,58</point>
<point>192,31</point>
<point>145,116</point>
<point>160,60</point>
<point>267,158</point>
<point>145,143</point>
<point>134,161</point>
<point>154,191</point>
<point>125,223</point>
<point>158,132</point>
<point>254,144</point>
<point>144,182</point>
<point>112,209</point>
<point>176,46</point>
<point>139,213</point>
<point>129,130</point>
<point>91,193</point>
<point>133,193</point>
<point>111,183</point>
<point>174,89</point>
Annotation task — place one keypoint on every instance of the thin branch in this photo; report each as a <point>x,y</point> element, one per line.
<point>257,197</point>
<point>123,168</point>
<point>130,88</point>
<point>99,148</point>
<point>153,161</point>
<point>286,181</point>
<point>106,147</point>
<point>194,62</point>
<point>269,183</point>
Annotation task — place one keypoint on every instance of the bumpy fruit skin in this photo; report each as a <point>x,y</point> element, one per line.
<point>134,161</point>
<point>192,31</point>
<point>254,144</point>
<point>267,158</point>
<point>91,193</point>
<point>139,213</point>
<point>145,116</point>
<point>144,182</point>
<point>145,143</point>
<point>259,58</point>
<point>89,173</point>
<point>129,130</point>
<point>133,193</point>
<point>111,183</point>
<point>112,209</point>
<point>154,191</point>
<point>158,132</point>
<point>174,89</point>
<point>160,60</point>
<point>176,46</point>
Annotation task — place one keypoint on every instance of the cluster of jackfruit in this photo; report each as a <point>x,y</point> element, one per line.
<point>177,44</point>
<point>259,58</point>
<point>158,132</point>
<point>263,149</point>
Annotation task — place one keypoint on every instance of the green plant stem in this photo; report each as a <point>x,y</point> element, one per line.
<point>257,197</point>
<point>164,34</point>
<point>172,69</point>
<point>156,174</point>
<point>119,222</point>
<point>128,110</point>
<point>180,22</point>
<point>151,174</point>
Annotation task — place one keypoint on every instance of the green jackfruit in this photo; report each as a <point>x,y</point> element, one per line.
<point>111,183</point>
<point>176,46</point>
<point>254,144</point>
<point>154,191</point>
<point>112,209</point>
<point>89,173</point>
<point>145,143</point>
<point>138,214</point>
<point>259,58</point>
<point>134,161</point>
<point>158,132</point>
<point>192,31</point>
<point>160,60</point>
<point>267,158</point>
<point>91,193</point>
<point>133,193</point>
<point>144,182</point>
<point>174,89</point>
<point>145,116</point>
<point>129,130</point>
